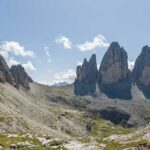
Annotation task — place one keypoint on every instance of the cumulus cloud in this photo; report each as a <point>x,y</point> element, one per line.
<point>29,66</point>
<point>131,64</point>
<point>64,41</point>
<point>11,61</point>
<point>15,48</point>
<point>98,41</point>
<point>67,76</point>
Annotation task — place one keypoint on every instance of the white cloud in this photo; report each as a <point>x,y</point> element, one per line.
<point>65,41</point>
<point>14,47</point>
<point>67,76</point>
<point>11,61</point>
<point>29,66</point>
<point>79,63</point>
<point>131,64</point>
<point>46,49</point>
<point>98,41</point>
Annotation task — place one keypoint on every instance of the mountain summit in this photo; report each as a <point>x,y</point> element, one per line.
<point>5,72</point>
<point>114,77</point>
<point>21,78</point>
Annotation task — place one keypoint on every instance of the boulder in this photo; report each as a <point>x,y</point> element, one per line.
<point>114,77</point>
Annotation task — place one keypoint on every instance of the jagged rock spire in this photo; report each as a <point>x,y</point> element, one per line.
<point>21,78</point>
<point>114,78</point>
<point>141,71</point>
<point>5,73</point>
<point>85,83</point>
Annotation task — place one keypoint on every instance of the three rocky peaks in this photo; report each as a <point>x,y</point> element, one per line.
<point>16,75</point>
<point>113,77</point>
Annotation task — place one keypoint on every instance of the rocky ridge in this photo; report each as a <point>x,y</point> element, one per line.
<point>5,74</point>
<point>15,76</point>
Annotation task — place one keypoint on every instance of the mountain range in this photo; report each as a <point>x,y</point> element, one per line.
<point>113,78</point>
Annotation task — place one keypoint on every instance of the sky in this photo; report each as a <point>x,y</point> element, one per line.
<point>51,37</point>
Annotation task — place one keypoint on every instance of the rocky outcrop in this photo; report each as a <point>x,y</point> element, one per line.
<point>141,72</point>
<point>114,77</point>
<point>5,74</point>
<point>21,78</point>
<point>116,116</point>
<point>85,83</point>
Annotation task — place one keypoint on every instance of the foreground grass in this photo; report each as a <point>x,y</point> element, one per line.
<point>7,141</point>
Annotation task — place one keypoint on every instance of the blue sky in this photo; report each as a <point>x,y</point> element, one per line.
<point>50,37</point>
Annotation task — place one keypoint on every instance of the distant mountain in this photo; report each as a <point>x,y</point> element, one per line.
<point>60,84</point>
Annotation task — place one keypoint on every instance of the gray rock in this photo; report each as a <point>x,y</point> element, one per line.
<point>141,72</point>
<point>114,77</point>
<point>25,144</point>
<point>85,83</point>
<point>2,77</point>
<point>21,78</point>
<point>5,72</point>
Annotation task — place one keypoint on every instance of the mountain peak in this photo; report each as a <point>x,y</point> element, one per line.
<point>5,73</point>
<point>86,77</point>
<point>20,76</point>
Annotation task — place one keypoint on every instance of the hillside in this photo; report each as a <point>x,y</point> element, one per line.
<point>54,118</point>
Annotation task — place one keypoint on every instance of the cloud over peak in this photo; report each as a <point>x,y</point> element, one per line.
<point>64,41</point>
<point>29,66</point>
<point>98,41</point>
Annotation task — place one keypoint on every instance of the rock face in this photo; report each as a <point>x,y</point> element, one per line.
<point>114,77</point>
<point>2,77</point>
<point>141,72</point>
<point>21,78</point>
<point>85,83</point>
<point>5,74</point>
